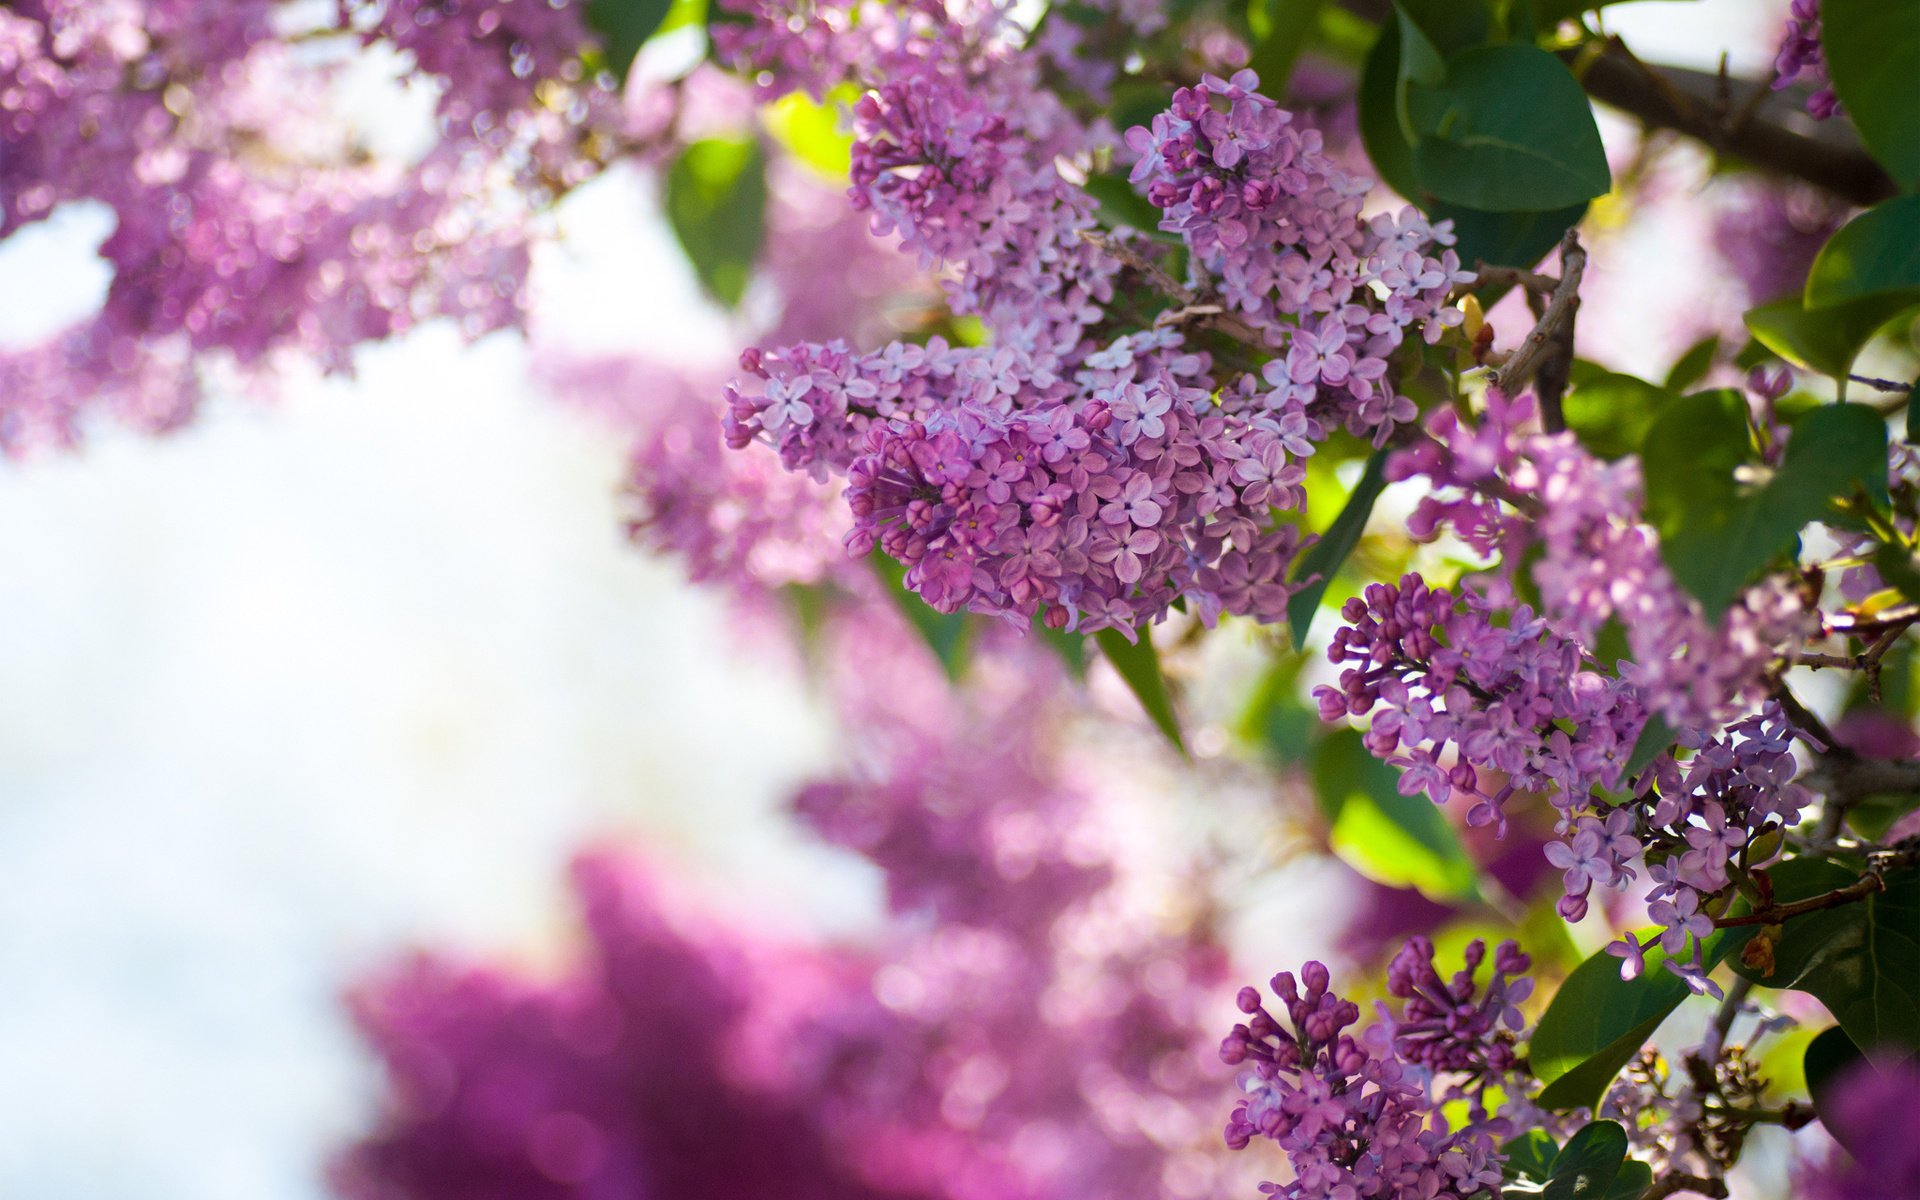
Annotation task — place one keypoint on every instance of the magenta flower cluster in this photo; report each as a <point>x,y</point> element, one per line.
<point>1275,222</point>
<point>1357,1116</point>
<point>1520,706</point>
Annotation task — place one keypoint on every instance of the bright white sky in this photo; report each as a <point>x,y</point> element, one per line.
<point>314,681</point>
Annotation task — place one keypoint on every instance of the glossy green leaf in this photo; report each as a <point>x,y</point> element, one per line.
<point>1876,253</point>
<point>1325,557</point>
<point>1401,841</point>
<point>1825,339</point>
<point>1873,56</point>
<point>1139,665</point>
<point>946,634</point>
<point>716,204</point>
<point>1632,1182</point>
<point>1530,1157</point>
<point>1280,29</point>
<point>1861,960</point>
<point>624,26</point>
<point>1509,129</point>
<point>1714,538</point>
<point>1588,1164</point>
<point>1598,1021</point>
<point>1506,239</point>
<point>1693,366</point>
<point>1387,145</point>
<point>1609,412</point>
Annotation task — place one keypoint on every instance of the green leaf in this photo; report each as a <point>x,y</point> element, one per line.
<point>946,634</point>
<point>1825,339</point>
<point>1612,413</point>
<point>1506,239</point>
<point>1830,1055</point>
<point>1598,1021</point>
<point>1873,56</point>
<point>1071,647</point>
<point>716,203</point>
<point>812,132</point>
<point>1388,146</point>
<point>1120,205</point>
<point>1715,539</point>
<point>1694,364</point>
<point>1509,129</point>
<point>1530,1157</point>
<point>1325,556</point>
<point>1588,1164</point>
<point>624,26</point>
<point>1633,1181</point>
<point>1139,665</point>
<point>1876,253</point>
<point>1280,28</point>
<point>1861,960</point>
<point>1655,737</point>
<point>1913,411</point>
<point>1401,841</point>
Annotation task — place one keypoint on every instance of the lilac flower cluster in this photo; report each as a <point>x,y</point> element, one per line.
<point>1802,61</point>
<point>250,223</point>
<point>1274,220</point>
<point>1355,1117</point>
<point>1520,705</point>
<point>1003,499</point>
<point>1543,499</point>
<point>1699,820</point>
<point>1452,1028</point>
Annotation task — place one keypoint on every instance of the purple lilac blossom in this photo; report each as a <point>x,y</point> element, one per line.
<point>1801,61</point>
<point>1356,1116</point>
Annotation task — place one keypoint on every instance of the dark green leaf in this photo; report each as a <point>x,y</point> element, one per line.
<point>1633,1181</point>
<point>1876,253</point>
<point>624,26</point>
<point>946,634</point>
<point>1694,364</point>
<point>1873,55</point>
<point>1401,841</point>
<point>1611,413</point>
<point>1588,1164</point>
<point>1715,539</point>
<point>716,203</point>
<point>1506,239</point>
<point>1387,145</point>
<point>1139,665</point>
<point>1120,205</point>
<point>1597,1021</point>
<point>1508,130</point>
<point>1913,411</point>
<point>1530,1157</point>
<point>1280,29</point>
<point>1830,1055</point>
<point>1826,339</point>
<point>1324,557</point>
<point>1861,960</point>
<point>1655,737</point>
<point>1071,647</point>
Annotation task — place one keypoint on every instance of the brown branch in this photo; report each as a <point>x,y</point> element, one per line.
<point>1194,307</point>
<point>1667,1185</point>
<point>1772,132</point>
<point>1487,273</point>
<point>1548,349</point>
<point>1777,914</point>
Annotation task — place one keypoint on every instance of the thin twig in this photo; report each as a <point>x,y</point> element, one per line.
<point>1194,307</point>
<point>1776,914</point>
<point>1551,339</point>
<point>1485,273</point>
<point>1667,1185</point>
<point>1883,385</point>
